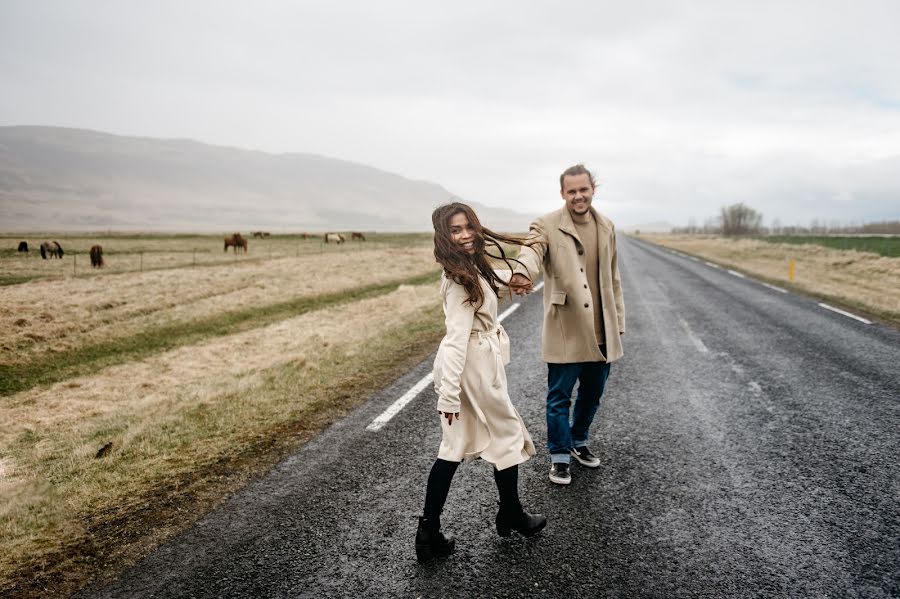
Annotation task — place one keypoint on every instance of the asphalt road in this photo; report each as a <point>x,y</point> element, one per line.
<point>749,445</point>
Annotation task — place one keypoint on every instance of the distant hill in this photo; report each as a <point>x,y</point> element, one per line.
<point>77,180</point>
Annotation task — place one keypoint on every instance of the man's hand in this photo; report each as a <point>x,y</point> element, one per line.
<point>520,284</point>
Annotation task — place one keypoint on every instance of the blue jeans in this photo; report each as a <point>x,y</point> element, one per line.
<point>561,436</point>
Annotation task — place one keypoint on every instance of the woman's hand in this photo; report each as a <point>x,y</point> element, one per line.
<point>520,284</point>
<point>449,416</point>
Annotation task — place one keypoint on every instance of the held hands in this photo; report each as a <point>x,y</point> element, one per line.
<point>520,284</point>
<point>449,416</point>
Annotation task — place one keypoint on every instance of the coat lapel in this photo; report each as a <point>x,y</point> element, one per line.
<point>567,226</point>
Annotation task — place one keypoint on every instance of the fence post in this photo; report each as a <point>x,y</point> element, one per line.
<point>194,258</point>
<point>74,263</point>
<point>142,261</point>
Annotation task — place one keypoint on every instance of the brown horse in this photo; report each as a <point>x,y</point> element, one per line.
<point>96,256</point>
<point>357,235</point>
<point>236,241</point>
<point>51,247</point>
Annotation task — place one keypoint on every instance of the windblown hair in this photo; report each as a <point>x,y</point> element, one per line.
<point>574,171</point>
<point>464,268</point>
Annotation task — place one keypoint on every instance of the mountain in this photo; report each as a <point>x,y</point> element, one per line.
<point>62,179</point>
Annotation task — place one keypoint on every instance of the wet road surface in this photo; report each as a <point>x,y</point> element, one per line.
<point>748,445</point>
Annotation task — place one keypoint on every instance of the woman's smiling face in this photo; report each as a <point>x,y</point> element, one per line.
<point>462,233</point>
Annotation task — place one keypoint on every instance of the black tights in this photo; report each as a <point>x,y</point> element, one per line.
<point>442,475</point>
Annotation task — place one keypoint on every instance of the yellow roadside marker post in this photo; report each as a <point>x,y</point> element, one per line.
<point>791,269</point>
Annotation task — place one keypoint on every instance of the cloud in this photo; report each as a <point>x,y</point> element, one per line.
<point>679,107</point>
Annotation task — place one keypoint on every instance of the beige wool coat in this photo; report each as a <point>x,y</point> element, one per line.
<point>470,379</point>
<point>568,333</point>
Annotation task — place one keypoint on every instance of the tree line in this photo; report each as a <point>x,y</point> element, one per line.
<point>740,219</point>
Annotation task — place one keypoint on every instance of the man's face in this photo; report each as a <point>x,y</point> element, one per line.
<point>578,192</point>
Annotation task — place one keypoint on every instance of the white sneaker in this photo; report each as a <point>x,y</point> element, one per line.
<point>559,473</point>
<point>585,457</point>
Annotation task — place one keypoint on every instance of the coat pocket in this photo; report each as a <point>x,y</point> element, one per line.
<point>558,298</point>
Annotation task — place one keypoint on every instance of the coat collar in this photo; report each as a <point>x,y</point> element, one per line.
<point>567,225</point>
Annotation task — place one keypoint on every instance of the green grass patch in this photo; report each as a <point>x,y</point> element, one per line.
<point>53,368</point>
<point>15,279</point>
<point>884,246</point>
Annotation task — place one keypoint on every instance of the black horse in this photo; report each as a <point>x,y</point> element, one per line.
<point>23,246</point>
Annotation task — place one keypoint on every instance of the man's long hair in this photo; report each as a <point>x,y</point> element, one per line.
<point>464,268</point>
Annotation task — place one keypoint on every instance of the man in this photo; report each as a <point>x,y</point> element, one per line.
<point>584,314</point>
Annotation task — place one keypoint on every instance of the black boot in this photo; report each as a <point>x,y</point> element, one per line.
<point>517,519</point>
<point>431,542</point>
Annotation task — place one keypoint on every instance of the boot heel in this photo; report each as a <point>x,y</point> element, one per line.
<point>523,523</point>
<point>431,542</point>
<point>423,552</point>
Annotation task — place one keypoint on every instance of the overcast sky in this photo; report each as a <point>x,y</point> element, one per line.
<point>678,107</point>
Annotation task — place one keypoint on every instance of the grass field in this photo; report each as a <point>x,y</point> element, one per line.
<point>883,245</point>
<point>143,253</point>
<point>192,376</point>
<point>865,281</point>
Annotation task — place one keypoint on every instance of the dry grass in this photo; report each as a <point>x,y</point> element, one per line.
<point>860,279</point>
<point>134,253</point>
<point>266,351</point>
<point>57,315</point>
<point>172,415</point>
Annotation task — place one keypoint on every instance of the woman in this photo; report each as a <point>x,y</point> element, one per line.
<point>477,416</point>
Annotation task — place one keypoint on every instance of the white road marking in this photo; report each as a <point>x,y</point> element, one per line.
<point>507,312</point>
<point>394,409</point>
<point>839,311</point>
<point>763,401</point>
<point>694,259</point>
<point>711,264</point>
<point>539,286</point>
<point>778,289</point>
<point>399,404</point>
<point>694,338</point>
<point>736,273</point>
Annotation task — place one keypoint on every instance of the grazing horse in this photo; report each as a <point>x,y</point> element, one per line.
<point>334,238</point>
<point>357,235</point>
<point>97,256</point>
<point>51,247</point>
<point>260,233</point>
<point>23,246</point>
<point>236,241</point>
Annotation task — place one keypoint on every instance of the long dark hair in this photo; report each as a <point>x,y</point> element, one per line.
<point>464,268</point>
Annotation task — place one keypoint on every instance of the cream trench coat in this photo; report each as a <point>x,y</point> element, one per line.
<point>470,379</point>
<point>568,332</point>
